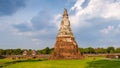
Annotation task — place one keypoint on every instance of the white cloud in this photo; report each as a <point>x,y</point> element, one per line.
<point>107,30</point>
<point>30,33</point>
<point>77,5</point>
<point>106,9</point>
<point>56,20</point>
<point>111,30</point>
<point>118,29</point>
<point>37,41</point>
<point>103,8</point>
<point>24,33</point>
<point>112,10</point>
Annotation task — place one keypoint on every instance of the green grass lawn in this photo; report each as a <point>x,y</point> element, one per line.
<point>3,62</point>
<point>104,64</point>
<point>85,63</point>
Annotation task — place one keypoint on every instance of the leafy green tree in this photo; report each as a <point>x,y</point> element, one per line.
<point>86,50</point>
<point>81,50</point>
<point>29,51</point>
<point>51,50</point>
<point>100,50</point>
<point>39,51</point>
<point>1,51</point>
<point>89,50</point>
<point>17,51</point>
<point>117,50</point>
<point>8,51</point>
<point>46,50</point>
<point>110,50</point>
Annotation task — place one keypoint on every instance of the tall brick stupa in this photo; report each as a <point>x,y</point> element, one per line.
<point>65,47</point>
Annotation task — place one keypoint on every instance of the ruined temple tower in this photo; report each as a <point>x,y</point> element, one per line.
<point>65,46</point>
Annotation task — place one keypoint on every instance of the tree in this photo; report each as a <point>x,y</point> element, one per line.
<point>81,50</point>
<point>1,51</point>
<point>29,51</point>
<point>86,50</point>
<point>51,50</point>
<point>17,51</point>
<point>89,50</point>
<point>46,50</point>
<point>110,50</point>
<point>100,50</point>
<point>117,50</point>
<point>8,51</point>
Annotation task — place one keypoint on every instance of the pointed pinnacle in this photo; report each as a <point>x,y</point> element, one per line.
<point>65,12</point>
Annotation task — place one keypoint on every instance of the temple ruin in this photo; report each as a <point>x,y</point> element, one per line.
<point>65,47</point>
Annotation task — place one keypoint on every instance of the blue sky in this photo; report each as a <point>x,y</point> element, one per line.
<point>34,24</point>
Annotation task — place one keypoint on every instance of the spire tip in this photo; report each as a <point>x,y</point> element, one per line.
<point>65,12</point>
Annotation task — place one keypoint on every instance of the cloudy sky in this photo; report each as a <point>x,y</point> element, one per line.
<point>35,23</point>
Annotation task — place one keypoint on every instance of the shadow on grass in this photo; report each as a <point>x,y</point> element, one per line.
<point>19,61</point>
<point>104,64</point>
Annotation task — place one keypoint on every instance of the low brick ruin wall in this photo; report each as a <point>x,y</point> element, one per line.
<point>115,55</point>
<point>26,56</point>
<point>47,56</point>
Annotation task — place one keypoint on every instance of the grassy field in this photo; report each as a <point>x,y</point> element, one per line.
<point>3,62</point>
<point>104,64</point>
<point>85,63</point>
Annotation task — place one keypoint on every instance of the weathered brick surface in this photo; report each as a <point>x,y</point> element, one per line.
<point>65,46</point>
